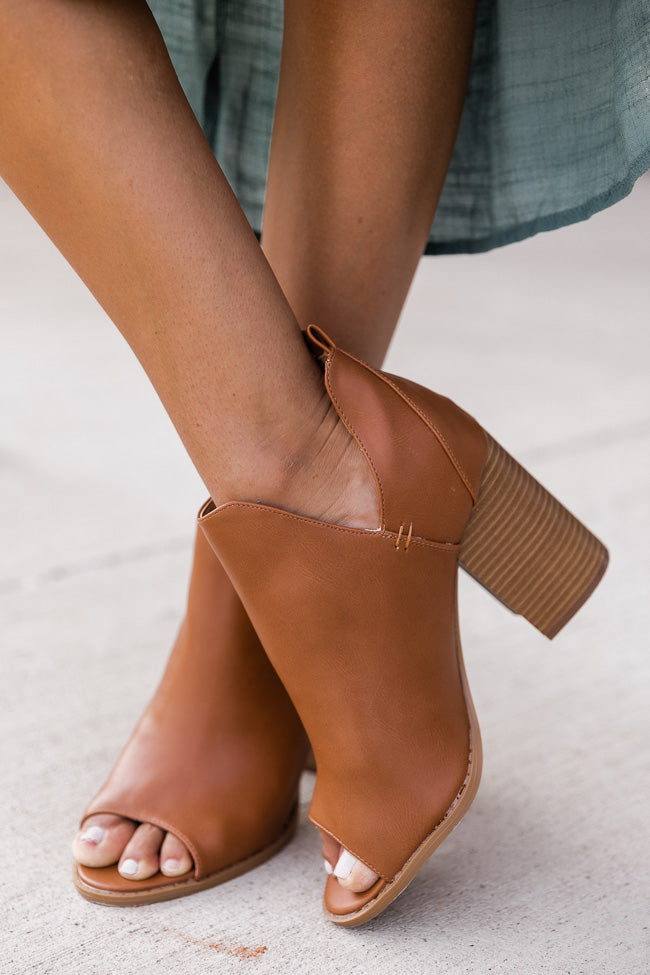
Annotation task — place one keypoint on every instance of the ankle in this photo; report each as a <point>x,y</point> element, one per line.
<point>335,483</point>
<point>322,473</point>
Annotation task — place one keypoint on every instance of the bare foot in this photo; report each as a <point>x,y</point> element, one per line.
<point>350,872</point>
<point>140,850</point>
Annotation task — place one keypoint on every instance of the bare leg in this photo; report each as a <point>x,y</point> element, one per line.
<point>369,102</point>
<point>361,215</point>
<point>100,144</point>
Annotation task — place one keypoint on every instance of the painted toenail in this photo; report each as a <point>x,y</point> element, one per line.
<point>329,869</point>
<point>344,865</point>
<point>171,864</point>
<point>94,835</point>
<point>129,868</point>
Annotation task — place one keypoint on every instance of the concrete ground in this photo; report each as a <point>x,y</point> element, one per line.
<point>548,343</point>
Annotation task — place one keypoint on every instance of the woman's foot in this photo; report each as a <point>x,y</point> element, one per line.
<point>215,759</point>
<point>331,482</point>
<point>140,850</point>
<point>336,486</point>
<point>361,627</point>
<point>350,873</point>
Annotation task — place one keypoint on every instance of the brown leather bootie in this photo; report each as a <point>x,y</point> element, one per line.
<point>398,751</point>
<point>216,757</point>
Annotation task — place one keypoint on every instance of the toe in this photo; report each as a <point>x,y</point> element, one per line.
<point>101,840</point>
<point>351,873</point>
<point>139,850</point>
<point>174,857</point>
<point>140,858</point>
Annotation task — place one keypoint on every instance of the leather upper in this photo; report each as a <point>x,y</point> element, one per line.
<point>420,446</point>
<point>361,625</point>
<point>217,756</point>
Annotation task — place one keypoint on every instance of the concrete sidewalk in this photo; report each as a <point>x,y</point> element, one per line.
<point>548,343</point>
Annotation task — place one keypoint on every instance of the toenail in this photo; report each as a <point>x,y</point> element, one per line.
<point>94,834</point>
<point>329,869</point>
<point>129,868</point>
<point>171,864</point>
<point>344,865</point>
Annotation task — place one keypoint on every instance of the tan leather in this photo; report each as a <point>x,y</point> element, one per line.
<point>217,756</point>
<point>361,625</point>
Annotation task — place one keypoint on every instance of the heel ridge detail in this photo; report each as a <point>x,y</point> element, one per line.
<point>527,549</point>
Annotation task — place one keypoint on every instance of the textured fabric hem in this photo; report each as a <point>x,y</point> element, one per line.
<point>552,221</point>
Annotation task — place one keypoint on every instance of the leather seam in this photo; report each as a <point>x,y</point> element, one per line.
<point>439,436</point>
<point>449,547</point>
<point>432,426</point>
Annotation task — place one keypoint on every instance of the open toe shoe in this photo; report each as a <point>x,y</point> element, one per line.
<point>216,757</point>
<point>362,627</point>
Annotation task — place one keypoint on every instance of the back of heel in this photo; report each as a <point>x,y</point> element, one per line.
<point>527,549</point>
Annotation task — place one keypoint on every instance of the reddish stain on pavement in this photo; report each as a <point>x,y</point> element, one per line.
<point>235,951</point>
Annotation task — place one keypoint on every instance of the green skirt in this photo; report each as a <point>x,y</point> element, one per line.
<point>556,124</point>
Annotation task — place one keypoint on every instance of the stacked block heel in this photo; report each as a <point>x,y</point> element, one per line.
<point>527,549</point>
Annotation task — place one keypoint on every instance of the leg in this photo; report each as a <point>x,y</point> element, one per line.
<point>355,175</point>
<point>102,147</point>
<point>217,756</point>
<point>357,215</point>
<point>295,471</point>
<point>369,102</point>
<point>347,258</point>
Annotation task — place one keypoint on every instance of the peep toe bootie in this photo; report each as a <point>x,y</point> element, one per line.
<point>216,757</point>
<point>362,628</point>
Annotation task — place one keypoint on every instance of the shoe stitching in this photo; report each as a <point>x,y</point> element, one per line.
<point>408,539</point>
<point>448,547</point>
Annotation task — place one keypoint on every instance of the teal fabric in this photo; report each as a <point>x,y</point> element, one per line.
<point>227,56</point>
<point>556,124</point>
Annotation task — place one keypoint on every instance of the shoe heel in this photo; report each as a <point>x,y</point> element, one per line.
<point>527,549</point>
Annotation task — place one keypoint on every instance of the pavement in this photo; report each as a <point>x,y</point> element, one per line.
<point>548,343</point>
